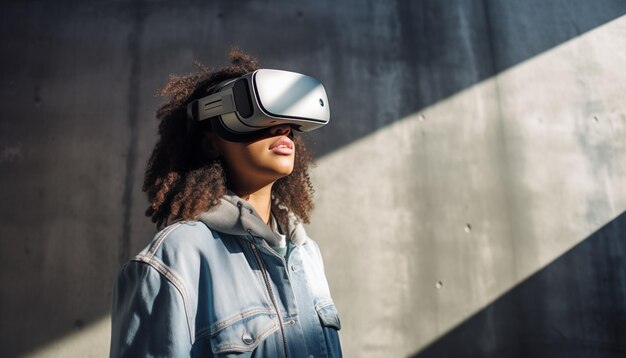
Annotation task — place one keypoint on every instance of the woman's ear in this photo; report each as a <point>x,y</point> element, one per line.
<point>208,146</point>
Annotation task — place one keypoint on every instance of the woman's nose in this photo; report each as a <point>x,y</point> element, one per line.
<point>281,129</point>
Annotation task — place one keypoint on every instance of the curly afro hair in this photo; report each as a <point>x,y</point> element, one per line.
<point>181,181</point>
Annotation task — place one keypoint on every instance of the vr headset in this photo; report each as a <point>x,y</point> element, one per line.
<point>261,99</point>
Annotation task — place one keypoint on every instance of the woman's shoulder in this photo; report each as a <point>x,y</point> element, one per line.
<point>180,243</point>
<point>179,235</point>
<point>300,237</point>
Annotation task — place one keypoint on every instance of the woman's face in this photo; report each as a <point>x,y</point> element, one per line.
<point>255,164</point>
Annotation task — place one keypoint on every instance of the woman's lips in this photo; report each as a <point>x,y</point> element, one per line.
<point>283,146</point>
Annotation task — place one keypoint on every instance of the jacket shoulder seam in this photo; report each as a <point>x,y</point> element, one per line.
<point>173,278</point>
<point>159,240</point>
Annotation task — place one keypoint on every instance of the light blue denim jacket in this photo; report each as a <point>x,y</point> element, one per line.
<point>215,288</point>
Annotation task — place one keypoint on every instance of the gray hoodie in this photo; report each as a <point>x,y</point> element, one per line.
<point>235,216</point>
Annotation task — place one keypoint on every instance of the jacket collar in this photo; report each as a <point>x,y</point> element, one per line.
<point>235,216</point>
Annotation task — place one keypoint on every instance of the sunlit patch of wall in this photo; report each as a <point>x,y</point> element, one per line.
<point>91,341</point>
<point>426,221</point>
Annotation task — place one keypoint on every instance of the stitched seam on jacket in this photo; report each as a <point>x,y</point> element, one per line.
<point>232,320</point>
<point>324,303</point>
<point>241,348</point>
<point>160,239</point>
<point>162,269</point>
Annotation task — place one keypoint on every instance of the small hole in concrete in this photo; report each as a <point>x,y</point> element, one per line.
<point>595,119</point>
<point>468,228</point>
<point>422,117</point>
<point>79,323</point>
<point>439,284</point>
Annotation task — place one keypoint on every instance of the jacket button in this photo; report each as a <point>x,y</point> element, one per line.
<point>293,268</point>
<point>247,338</point>
<point>239,204</point>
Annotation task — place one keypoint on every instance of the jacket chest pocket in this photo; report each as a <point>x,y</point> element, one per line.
<point>327,313</point>
<point>243,336</point>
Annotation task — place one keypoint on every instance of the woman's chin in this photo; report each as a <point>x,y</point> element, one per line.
<point>283,166</point>
<point>281,171</point>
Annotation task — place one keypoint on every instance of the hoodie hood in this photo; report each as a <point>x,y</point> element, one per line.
<point>235,216</point>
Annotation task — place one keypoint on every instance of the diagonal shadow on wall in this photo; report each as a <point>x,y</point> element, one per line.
<point>440,47</point>
<point>572,308</point>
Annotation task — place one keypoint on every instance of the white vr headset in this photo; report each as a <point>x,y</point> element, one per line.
<point>262,99</point>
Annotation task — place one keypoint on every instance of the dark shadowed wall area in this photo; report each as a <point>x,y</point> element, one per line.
<point>469,188</point>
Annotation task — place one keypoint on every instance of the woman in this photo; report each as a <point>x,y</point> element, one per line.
<point>232,273</point>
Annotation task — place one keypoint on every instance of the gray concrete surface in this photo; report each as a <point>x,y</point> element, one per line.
<point>469,194</point>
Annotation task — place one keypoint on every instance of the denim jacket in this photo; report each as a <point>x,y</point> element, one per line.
<point>215,288</point>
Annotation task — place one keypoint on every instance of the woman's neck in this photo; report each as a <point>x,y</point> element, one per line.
<point>260,199</point>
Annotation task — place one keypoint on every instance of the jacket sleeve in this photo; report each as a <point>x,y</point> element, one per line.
<point>148,317</point>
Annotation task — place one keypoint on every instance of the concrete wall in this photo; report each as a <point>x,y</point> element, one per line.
<point>470,193</point>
